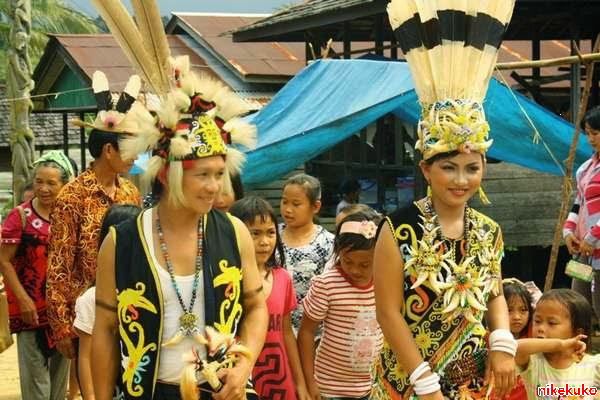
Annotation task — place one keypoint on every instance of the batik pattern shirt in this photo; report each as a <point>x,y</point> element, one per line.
<point>73,249</point>
<point>304,262</point>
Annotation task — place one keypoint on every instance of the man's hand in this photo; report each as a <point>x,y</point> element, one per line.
<point>234,381</point>
<point>66,348</point>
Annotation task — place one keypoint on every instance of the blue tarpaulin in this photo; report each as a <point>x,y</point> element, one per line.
<point>330,100</point>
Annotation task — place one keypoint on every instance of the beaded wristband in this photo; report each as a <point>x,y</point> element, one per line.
<point>503,340</point>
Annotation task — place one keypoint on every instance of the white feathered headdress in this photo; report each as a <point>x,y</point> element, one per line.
<point>192,116</point>
<point>451,47</point>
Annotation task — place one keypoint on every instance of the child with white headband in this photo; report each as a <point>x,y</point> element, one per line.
<point>343,298</point>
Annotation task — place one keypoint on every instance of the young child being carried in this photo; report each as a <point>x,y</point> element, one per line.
<point>343,298</point>
<point>555,356</point>
<point>277,374</point>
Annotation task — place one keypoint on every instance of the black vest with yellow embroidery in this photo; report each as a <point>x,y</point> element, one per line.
<point>140,302</point>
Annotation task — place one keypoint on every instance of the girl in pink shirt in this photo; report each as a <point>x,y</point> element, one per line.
<point>277,374</point>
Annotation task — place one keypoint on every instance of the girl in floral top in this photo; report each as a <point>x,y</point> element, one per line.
<point>307,246</point>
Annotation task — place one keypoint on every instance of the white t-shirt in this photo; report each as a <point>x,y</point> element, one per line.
<point>540,373</point>
<point>170,364</point>
<point>351,336</point>
<point>85,311</point>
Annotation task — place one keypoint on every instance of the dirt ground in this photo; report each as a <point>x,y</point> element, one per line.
<point>9,374</point>
<point>9,371</point>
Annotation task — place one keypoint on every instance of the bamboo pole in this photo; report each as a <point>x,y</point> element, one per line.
<point>550,62</point>
<point>567,182</point>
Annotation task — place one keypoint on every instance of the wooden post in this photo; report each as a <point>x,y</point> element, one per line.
<point>65,120</point>
<point>567,181</point>
<point>82,143</point>
<point>347,41</point>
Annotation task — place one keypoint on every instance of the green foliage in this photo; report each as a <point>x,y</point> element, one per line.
<point>47,16</point>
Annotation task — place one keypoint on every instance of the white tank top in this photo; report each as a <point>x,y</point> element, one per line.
<point>170,364</point>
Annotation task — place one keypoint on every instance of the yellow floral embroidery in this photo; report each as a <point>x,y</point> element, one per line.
<point>232,277</point>
<point>133,364</point>
<point>207,135</point>
<point>403,232</point>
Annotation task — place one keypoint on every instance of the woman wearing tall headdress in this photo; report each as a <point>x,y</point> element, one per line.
<point>182,268</point>
<point>437,261</point>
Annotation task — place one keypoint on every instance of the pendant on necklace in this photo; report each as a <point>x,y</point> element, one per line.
<point>188,322</point>
<point>187,327</point>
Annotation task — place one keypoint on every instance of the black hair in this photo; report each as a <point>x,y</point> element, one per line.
<point>236,185</point>
<point>359,207</point>
<point>444,156</point>
<point>517,289</point>
<point>580,310</point>
<point>349,185</point>
<point>116,214</point>
<point>310,184</point>
<point>592,118</point>
<point>355,241</point>
<point>251,207</point>
<point>98,139</point>
<point>28,186</point>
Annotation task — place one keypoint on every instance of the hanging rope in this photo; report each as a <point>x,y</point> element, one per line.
<point>537,137</point>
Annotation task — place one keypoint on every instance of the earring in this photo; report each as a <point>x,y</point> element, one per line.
<point>428,190</point>
<point>483,197</point>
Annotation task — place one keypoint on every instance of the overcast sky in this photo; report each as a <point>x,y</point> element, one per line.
<point>167,6</point>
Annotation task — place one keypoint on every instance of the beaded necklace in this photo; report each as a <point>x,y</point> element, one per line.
<point>187,322</point>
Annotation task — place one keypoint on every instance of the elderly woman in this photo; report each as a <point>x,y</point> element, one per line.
<point>23,263</point>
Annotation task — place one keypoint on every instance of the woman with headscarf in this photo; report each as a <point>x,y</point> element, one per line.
<point>23,263</point>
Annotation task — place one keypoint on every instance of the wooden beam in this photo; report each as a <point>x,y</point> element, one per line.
<point>551,62</point>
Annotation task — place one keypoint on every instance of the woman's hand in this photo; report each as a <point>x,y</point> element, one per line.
<point>575,345</point>
<point>572,243</point>
<point>586,249</point>
<point>432,396</point>
<point>234,381</point>
<point>29,314</point>
<point>503,368</point>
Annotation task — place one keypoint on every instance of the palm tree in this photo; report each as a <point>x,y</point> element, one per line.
<point>47,16</point>
<point>22,37</point>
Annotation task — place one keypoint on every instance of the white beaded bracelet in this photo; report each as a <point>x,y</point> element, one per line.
<point>427,385</point>
<point>420,370</point>
<point>503,340</point>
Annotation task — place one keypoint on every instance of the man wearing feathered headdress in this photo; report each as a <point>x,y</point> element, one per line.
<point>182,266</point>
<point>80,207</point>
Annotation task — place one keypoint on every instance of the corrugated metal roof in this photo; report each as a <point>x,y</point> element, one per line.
<point>101,52</point>
<point>304,10</point>
<point>275,59</point>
